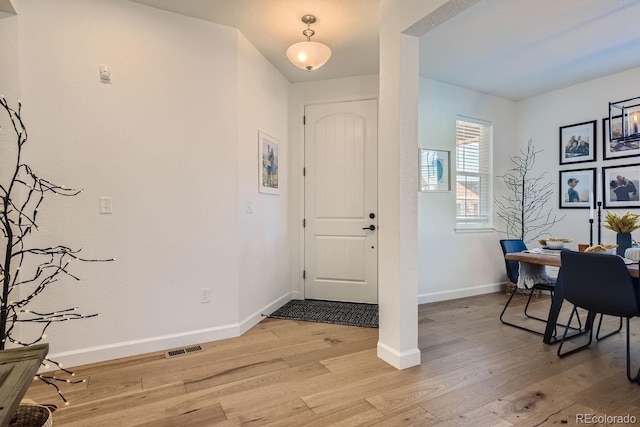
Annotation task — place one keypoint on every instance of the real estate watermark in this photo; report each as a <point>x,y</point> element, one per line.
<point>605,419</point>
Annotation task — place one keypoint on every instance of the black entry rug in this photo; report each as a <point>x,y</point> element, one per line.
<point>338,313</point>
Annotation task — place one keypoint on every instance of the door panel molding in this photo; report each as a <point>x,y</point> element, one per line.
<point>340,193</point>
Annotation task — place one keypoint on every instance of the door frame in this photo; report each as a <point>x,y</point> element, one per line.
<point>301,190</point>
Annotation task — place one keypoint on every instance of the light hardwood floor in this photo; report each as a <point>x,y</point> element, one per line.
<point>474,371</point>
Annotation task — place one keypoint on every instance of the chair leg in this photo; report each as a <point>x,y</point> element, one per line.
<point>635,379</point>
<point>526,307</point>
<point>564,336</point>
<point>513,324</point>
<point>507,305</point>
<point>598,337</point>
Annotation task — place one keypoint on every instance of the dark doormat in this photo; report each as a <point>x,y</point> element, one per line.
<point>339,313</point>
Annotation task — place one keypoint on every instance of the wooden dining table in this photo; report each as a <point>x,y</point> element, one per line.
<point>549,258</point>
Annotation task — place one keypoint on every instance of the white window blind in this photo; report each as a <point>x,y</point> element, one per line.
<point>473,141</point>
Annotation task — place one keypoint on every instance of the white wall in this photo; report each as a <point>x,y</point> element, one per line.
<point>9,82</point>
<point>9,66</point>
<point>169,141</point>
<point>264,258</point>
<point>540,118</point>
<point>457,264</point>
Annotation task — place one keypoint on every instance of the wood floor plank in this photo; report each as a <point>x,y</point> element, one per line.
<point>198,418</point>
<point>365,359</point>
<point>411,416</point>
<point>475,371</point>
<point>434,386</point>
<point>288,412</point>
<point>246,389</point>
<point>338,349</point>
<point>560,413</point>
<point>547,393</point>
<point>350,414</point>
<point>156,411</point>
<point>210,365</point>
<point>210,379</point>
<point>479,417</point>
<point>504,382</point>
<point>136,401</point>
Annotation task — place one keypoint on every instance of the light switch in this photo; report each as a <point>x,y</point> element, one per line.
<point>249,207</point>
<point>105,205</point>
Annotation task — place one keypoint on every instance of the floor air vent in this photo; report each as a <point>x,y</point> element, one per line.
<point>182,351</point>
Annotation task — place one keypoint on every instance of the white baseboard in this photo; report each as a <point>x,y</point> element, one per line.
<point>399,360</point>
<point>459,293</point>
<point>97,354</point>
<point>257,317</point>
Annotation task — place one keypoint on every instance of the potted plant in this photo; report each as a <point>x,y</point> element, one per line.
<point>623,226</point>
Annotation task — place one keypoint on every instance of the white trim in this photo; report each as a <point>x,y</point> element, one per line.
<point>301,194</point>
<point>161,343</point>
<point>404,360</point>
<point>460,229</point>
<point>460,293</point>
<point>486,167</point>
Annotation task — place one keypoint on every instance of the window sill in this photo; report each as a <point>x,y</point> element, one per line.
<point>461,228</point>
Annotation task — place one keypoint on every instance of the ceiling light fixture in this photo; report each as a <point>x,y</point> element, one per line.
<point>308,55</point>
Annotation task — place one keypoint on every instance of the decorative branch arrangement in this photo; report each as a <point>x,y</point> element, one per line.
<point>20,198</point>
<point>523,209</point>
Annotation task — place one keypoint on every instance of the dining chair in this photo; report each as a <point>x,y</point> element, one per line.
<point>601,284</point>
<point>513,267</point>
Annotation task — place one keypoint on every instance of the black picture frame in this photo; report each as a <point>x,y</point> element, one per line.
<point>583,189</point>
<point>578,143</point>
<point>617,149</point>
<point>629,196</point>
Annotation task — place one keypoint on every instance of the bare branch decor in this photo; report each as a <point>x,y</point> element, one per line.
<point>21,197</point>
<point>523,208</point>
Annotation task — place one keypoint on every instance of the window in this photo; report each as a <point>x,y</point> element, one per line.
<point>473,178</point>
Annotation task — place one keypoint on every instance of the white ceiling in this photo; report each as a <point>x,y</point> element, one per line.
<point>348,27</point>
<point>509,48</point>
<point>519,48</point>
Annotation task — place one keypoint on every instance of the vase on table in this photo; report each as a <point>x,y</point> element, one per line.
<point>624,242</point>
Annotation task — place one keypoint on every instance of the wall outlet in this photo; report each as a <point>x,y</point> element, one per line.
<point>205,295</point>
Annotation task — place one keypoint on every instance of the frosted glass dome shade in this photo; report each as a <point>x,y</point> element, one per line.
<point>308,55</point>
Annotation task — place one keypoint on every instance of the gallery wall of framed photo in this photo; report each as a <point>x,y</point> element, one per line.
<point>615,181</point>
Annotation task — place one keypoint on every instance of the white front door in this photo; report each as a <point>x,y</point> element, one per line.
<point>341,206</point>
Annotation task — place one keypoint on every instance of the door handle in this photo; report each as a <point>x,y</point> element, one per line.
<point>371,227</point>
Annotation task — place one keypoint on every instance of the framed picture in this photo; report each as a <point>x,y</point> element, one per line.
<point>435,170</point>
<point>577,188</point>
<point>617,149</point>
<point>578,143</point>
<point>268,164</point>
<point>620,186</point>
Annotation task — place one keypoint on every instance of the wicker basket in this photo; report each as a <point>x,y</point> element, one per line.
<point>29,415</point>
<point>510,287</point>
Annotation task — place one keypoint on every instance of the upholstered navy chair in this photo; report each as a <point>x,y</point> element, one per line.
<point>517,245</point>
<point>601,284</point>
